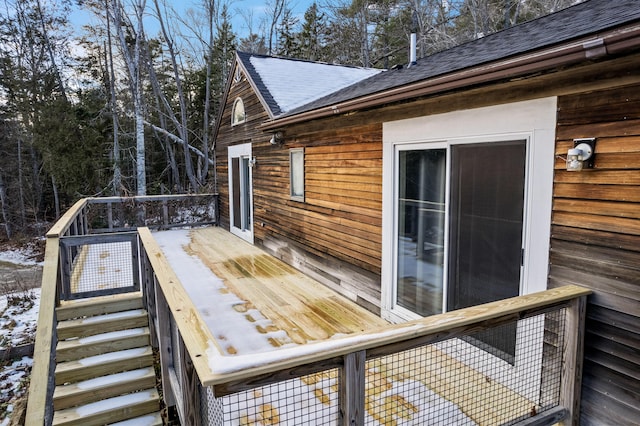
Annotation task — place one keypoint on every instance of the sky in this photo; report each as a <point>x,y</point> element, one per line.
<point>239,9</point>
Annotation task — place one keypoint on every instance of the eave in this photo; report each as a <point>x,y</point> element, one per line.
<point>592,48</point>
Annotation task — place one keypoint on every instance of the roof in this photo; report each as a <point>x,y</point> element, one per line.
<point>286,84</point>
<point>571,23</point>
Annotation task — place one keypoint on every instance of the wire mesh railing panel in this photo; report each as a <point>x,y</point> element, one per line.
<point>308,400</point>
<point>99,265</point>
<point>102,266</point>
<point>468,381</point>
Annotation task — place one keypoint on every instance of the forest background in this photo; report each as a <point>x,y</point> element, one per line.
<point>127,105</point>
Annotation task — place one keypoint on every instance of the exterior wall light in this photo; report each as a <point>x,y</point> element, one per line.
<point>277,138</point>
<point>581,155</point>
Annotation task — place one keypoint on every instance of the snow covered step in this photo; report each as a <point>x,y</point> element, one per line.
<point>110,410</point>
<point>69,350</point>
<point>99,306</point>
<point>102,365</point>
<point>92,390</point>
<point>154,419</point>
<point>102,323</point>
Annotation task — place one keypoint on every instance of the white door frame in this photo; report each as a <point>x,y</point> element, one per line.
<point>533,121</point>
<point>242,152</point>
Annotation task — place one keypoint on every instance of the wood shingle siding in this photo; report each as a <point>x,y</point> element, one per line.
<point>595,241</point>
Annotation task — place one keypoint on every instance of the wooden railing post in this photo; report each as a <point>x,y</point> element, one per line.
<point>352,389</point>
<point>573,360</point>
<point>165,212</point>
<point>165,348</point>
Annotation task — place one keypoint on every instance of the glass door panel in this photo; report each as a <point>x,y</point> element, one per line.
<point>486,221</point>
<point>421,230</point>
<point>240,191</point>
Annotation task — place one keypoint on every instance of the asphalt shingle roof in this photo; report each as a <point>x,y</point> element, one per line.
<point>574,22</point>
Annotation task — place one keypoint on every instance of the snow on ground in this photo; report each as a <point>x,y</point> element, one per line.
<point>20,256</point>
<point>307,400</point>
<point>18,318</point>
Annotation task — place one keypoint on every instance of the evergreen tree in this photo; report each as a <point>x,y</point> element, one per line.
<point>313,35</point>
<point>288,44</point>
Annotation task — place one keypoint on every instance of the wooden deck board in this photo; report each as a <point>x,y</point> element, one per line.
<point>308,311</point>
<point>294,302</point>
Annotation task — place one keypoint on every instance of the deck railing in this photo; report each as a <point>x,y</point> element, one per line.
<point>436,370</point>
<point>90,222</point>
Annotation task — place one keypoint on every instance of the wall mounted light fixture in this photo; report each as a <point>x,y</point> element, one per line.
<point>277,138</point>
<point>582,154</point>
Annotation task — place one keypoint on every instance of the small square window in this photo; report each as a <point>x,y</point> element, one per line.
<point>296,177</point>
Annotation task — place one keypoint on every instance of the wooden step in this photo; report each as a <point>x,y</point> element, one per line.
<point>98,306</point>
<point>154,419</point>
<point>102,365</point>
<point>92,390</point>
<point>69,350</point>
<point>110,410</point>
<point>90,326</point>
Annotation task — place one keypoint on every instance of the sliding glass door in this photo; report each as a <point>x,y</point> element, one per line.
<point>460,210</point>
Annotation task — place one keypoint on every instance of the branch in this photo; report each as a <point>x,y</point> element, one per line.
<point>176,139</point>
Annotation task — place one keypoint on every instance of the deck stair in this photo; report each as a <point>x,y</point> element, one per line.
<point>104,363</point>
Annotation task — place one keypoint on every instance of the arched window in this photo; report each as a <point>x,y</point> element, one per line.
<point>238,115</point>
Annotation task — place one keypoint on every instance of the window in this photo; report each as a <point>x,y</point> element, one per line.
<point>237,114</point>
<point>296,178</point>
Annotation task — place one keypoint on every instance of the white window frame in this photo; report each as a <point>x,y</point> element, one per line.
<point>292,196</point>
<point>533,121</point>
<point>234,120</point>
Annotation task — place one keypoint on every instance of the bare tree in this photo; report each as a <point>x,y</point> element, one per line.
<point>132,57</point>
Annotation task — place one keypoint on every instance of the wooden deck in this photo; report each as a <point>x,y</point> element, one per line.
<point>295,303</point>
<point>309,312</point>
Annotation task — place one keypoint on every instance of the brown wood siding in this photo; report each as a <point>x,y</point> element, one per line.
<point>595,242</point>
<point>233,135</point>
<point>335,234</point>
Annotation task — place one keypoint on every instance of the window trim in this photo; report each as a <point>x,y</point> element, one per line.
<point>292,196</point>
<point>236,103</point>
<point>532,120</point>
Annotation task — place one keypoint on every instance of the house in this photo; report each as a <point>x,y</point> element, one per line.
<point>444,184</point>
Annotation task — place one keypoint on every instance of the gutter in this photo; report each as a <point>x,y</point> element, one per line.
<point>593,48</point>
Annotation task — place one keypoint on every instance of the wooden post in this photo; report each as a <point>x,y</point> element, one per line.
<point>190,386</point>
<point>165,212</point>
<point>110,216</point>
<point>163,331</point>
<point>352,389</point>
<point>572,358</point>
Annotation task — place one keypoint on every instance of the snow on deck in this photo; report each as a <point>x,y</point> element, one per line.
<point>245,314</point>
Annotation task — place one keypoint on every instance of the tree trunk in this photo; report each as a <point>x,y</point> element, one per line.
<point>183,129</point>
<point>133,63</point>
<point>21,185</point>
<point>117,174</point>
<point>56,198</point>
<point>4,205</point>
